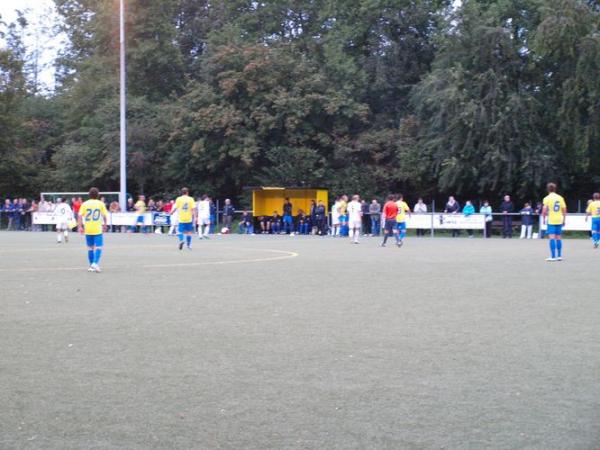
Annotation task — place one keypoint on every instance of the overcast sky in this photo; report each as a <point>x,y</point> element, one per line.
<point>39,13</point>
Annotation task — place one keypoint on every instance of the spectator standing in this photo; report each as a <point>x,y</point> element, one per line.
<point>420,208</point>
<point>75,205</point>
<point>17,210</point>
<point>453,207</point>
<point>321,218</point>
<point>32,210</point>
<point>8,211</point>
<point>288,220</point>
<point>375,214</point>
<point>366,218</point>
<point>527,221</point>
<point>469,210</point>
<point>507,209</point>
<point>114,208</point>
<point>228,211</point>
<point>313,217</point>
<point>486,210</point>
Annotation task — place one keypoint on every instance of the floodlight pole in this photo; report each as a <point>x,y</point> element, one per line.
<point>123,101</point>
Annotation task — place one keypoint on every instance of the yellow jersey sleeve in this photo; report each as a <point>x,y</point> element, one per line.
<point>594,209</point>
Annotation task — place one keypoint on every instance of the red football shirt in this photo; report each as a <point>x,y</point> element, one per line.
<point>390,210</point>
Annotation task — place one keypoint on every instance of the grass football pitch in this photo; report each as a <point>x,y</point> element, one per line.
<point>277,342</point>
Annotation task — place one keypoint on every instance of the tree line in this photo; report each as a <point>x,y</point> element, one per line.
<point>476,99</point>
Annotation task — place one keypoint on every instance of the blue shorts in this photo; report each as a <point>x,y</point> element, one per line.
<point>140,219</point>
<point>390,225</point>
<point>94,240</point>
<point>187,227</point>
<point>287,219</point>
<point>554,229</point>
<point>596,224</point>
<point>401,226</point>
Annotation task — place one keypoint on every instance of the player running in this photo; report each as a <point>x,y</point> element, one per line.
<point>64,215</point>
<point>390,212</point>
<point>140,209</point>
<point>593,210</point>
<point>185,206</point>
<point>354,218</point>
<point>403,208</point>
<point>92,221</point>
<point>554,213</point>
<point>203,217</point>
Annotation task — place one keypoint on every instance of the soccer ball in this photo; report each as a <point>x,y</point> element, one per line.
<point>224,230</point>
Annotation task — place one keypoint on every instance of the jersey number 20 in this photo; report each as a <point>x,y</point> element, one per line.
<point>92,214</point>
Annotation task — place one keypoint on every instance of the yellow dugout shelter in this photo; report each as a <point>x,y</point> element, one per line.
<point>266,200</point>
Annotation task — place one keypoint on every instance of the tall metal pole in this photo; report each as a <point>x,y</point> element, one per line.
<point>123,101</point>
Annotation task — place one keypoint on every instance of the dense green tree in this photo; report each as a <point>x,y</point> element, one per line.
<point>368,96</point>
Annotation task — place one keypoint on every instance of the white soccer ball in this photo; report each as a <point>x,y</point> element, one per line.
<point>224,230</point>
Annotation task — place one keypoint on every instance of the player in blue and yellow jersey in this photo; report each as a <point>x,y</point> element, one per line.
<point>92,221</point>
<point>554,213</point>
<point>403,208</point>
<point>593,210</point>
<point>186,206</point>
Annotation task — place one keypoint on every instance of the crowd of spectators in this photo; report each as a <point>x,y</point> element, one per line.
<point>319,219</point>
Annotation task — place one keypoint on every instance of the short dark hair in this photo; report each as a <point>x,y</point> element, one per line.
<point>391,197</point>
<point>185,191</point>
<point>551,187</point>
<point>94,193</point>
<point>400,196</point>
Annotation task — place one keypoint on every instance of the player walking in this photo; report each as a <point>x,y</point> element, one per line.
<point>554,213</point>
<point>354,218</point>
<point>593,210</point>
<point>92,221</point>
<point>203,217</point>
<point>185,206</point>
<point>140,209</point>
<point>403,208</point>
<point>64,215</point>
<point>390,212</point>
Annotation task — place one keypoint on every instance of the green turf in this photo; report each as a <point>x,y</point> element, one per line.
<point>444,343</point>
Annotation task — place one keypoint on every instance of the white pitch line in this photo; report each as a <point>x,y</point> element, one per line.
<point>286,255</point>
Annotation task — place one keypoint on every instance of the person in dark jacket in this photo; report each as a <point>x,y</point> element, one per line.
<point>228,211</point>
<point>366,218</point>
<point>507,209</point>
<point>527,221</point>
<point>321,218</point>
<point>288,220</point>
<point>453,207</point>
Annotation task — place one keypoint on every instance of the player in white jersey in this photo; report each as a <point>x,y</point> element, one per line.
<point>354,210</point>
<point>203,217</point>
<point>63,214</point>
<point>335,218</point>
